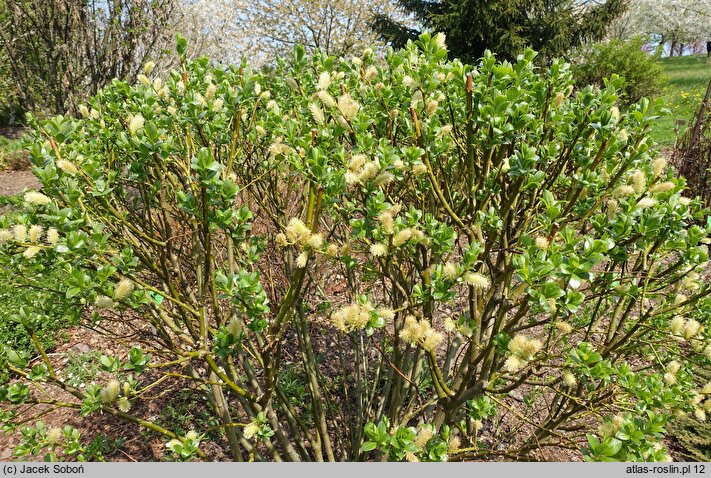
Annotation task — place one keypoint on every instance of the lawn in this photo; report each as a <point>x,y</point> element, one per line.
<point>685,81</point>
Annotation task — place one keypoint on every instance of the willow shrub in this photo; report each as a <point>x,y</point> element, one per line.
<point>465,262</point>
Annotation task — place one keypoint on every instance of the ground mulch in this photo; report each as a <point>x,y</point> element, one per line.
<point>137,447</point>
<point>15,182</point>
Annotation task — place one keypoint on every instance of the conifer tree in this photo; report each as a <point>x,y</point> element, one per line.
<point>505,27</point>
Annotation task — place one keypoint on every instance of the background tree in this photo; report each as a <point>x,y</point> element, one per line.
<point>212,28</point>
<point>62,51</point>
<point>334,27</point>
<point>7,86</point>
<point>673,22</point>
<point>8,93</point>
<point>505,27</point>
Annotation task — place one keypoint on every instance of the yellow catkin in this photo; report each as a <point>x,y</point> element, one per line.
<point>123,289</point>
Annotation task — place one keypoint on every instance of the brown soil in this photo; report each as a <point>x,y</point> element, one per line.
<point>80,340</point>
<point>13,132</point>
<point>139,445</point>
<point>14,182</point>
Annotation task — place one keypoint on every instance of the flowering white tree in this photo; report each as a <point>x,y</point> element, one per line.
<point>335,27</point>
<point>213,28</point>
<point>676,22</point>
<point>227,30</point>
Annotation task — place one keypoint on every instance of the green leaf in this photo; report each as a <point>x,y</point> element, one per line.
<point>109,364</point>
<point>181,44</point>
<point>368,446</point>
<point>157,298</point>
<point>299,53</point>
<point>551,290</point>
<point>611,447</point>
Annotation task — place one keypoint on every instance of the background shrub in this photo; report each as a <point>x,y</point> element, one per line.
<point>642,74</point>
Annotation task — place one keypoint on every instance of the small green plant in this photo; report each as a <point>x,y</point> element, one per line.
<point>629,439</point>
<point>103,446</point>
<point>294,384</point>
<point>189,411</point>
<point>692,432</point>
<point>57,444</point>
<point>394,443</point>
<point>185,448</point>
<point>409,443</point>
<point>81,368</point>
<point>12,154</point>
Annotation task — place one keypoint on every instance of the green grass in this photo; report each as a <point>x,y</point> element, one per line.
<point>685,81</point>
